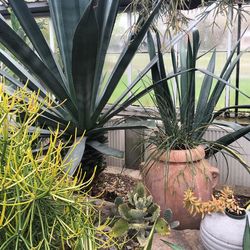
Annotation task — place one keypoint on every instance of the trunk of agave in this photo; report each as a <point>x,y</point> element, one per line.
<point>91,159</point>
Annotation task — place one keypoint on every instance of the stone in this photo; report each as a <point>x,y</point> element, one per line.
<point>135,174</point>
<point>187,239</point>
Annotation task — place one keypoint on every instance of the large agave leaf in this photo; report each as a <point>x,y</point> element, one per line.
<point>36,37</point>
<point>111,112</point>
<point>106,16</point>
<point>28,57</point>
<point>124,60</point>
<point>21,72</point>
<point>65,15</point>
<point>11,79</point>
<point>104,149</point>
<point>128,125</point>
<point>84,62</point>
<point>74,155</point>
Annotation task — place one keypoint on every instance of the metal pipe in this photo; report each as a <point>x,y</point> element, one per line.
<point>229,49</point>
<point>237,80</point>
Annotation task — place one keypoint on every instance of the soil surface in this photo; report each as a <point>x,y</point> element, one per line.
<point>108,186</point>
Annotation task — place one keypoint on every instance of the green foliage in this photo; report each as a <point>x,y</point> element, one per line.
<point>246,238</point>
<point>185,126</point>
<point>141,216</point>
<point>41,207</point>
<point>247,205</point>
<point>168,214</point>
<point>76,81</point>
<point>173,246</point>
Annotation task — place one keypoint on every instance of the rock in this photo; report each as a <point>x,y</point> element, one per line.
<point>135,174</point>
<point>108,209</point>
<point>187,239</point>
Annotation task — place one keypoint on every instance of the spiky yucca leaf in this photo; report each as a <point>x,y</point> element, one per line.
<point>195,117</point>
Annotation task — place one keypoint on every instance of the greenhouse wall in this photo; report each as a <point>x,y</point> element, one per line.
<point>231,171</point>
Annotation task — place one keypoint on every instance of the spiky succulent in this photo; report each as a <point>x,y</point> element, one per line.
<point>139,215</point>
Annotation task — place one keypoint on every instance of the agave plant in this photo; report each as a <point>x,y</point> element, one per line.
<point>184,127</point>
<point>83,31</point>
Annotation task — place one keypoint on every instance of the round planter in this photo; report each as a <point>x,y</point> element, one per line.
<point>168,177</point>
<point>219,232</point>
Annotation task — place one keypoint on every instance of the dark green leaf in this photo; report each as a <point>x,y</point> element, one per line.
<point>21,72</point>
<point>129,125</point>
<point>120,228</point>
<point>221,111</point>
<point>84,63</point>
<point>246,237</point>
<point>227,140</point>
<point>35,35</point>
<point>74,155</point>
<point>204,93</point>
<point>65,15</point>
<point>124,60</point>
<point>23,53</point>
<point>104,149</point>
<point>106,15</point>
<point>172,245</point>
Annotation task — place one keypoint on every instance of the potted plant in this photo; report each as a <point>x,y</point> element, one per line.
<point>177,149</point>
<point>225,224</point>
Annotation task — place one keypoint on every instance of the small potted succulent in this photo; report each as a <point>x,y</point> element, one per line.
<point>225,224</point>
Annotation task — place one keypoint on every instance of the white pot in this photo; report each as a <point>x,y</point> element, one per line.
<point>220,232</point>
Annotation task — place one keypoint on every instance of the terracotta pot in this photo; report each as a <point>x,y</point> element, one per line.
<point>169,176</point>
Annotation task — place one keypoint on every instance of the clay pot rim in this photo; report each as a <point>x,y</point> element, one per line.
<point>180,156</point>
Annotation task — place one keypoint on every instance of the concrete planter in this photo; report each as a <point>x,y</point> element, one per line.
<point>219,232</point>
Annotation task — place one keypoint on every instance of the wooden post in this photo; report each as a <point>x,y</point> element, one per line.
<point>134,146</point>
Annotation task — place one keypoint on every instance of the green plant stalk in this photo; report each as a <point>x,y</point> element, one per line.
<point>41,207</point>
<point>246,237</point>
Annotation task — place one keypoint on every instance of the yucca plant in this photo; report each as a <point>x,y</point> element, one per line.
<point>83,31</point>
<point>41,207</point>
<point>185,126</point>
